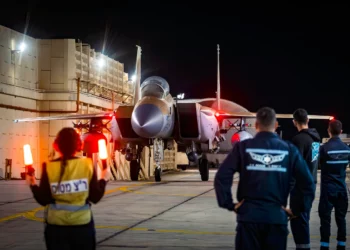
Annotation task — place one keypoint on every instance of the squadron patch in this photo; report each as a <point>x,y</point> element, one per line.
<point>267,159</point>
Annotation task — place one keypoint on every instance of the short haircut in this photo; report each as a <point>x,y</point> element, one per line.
<point>266,117</point>
<point>335,127</point>
<point>300,116</point>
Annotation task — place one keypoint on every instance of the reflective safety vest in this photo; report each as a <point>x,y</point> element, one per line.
<point>70,207</point>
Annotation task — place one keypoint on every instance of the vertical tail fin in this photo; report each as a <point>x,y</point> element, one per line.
<point>218,81</point>
<point>137,89</point>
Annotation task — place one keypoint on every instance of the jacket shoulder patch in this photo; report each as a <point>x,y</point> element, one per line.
<point>315,148</point>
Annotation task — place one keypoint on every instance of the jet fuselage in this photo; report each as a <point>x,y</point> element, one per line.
<point>154,114</point>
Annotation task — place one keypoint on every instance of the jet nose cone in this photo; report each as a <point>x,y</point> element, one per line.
<point>147,120</point>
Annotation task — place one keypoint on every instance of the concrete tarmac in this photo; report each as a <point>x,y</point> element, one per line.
<point>180,212</point>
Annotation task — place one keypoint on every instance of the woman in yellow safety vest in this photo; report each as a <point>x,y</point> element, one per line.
<point>67,186</point>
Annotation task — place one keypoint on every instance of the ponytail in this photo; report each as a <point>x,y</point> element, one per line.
<point>62,170</point>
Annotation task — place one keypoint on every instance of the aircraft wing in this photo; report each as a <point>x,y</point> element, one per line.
<point>106,115</point>
<point>319,117</point>
<point>228,115</point>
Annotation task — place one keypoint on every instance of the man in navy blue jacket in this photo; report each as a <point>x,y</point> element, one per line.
<point>266,165</point>
<point>334,158</point>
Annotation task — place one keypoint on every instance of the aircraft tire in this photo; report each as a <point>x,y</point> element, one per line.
<point>204,169</point>
<point>157,174</point>
<point>134,170</point>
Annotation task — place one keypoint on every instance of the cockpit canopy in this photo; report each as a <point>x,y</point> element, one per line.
<point>155,86</point>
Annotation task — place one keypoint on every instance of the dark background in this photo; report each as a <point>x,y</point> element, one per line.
<point>285,56</point>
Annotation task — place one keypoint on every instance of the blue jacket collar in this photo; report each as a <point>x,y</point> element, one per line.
<point>334,138</point>
<point>265,134</point>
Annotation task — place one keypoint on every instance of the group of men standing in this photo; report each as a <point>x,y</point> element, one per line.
<point>271,170</point>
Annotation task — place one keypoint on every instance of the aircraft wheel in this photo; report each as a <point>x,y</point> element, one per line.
<point>157,174</point>
<point>134,170</point>
<point>204,169</point>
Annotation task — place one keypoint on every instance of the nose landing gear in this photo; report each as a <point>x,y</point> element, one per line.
<point>157,173</point>
<point>204,169</point>
<point>158,147</point>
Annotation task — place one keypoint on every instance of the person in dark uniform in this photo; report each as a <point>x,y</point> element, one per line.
<point>308,142</point>
<point>334,159</point>
<point>68,185</point>
<point>266,165</point>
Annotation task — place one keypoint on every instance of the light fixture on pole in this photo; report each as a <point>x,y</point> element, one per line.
<point>101,63</point>
<point>20,49</point>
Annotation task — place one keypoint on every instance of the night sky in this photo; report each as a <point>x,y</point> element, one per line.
<point>284,57</point>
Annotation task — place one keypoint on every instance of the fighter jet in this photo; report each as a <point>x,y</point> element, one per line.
<point>156,118</point>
